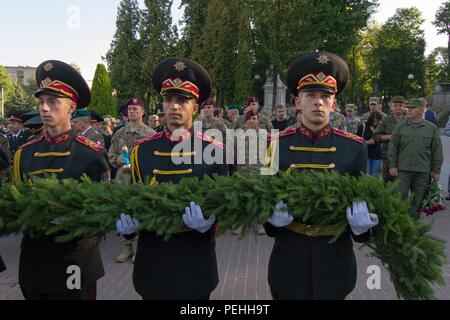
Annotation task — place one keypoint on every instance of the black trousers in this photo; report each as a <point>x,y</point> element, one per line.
<point>89,292</point>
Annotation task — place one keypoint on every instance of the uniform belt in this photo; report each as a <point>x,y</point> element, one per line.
<point>314,230</point>
<point>183,229</point>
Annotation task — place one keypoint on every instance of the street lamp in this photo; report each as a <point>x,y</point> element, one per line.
<point>410,76</point>
<point>257,78</point>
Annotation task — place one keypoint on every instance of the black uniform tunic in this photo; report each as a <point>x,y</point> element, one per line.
<point>185,266</point>
<point>43,262</point>
<point>302,266</point>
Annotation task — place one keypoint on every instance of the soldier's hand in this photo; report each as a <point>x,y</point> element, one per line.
<point>120,161</point>
<point>126,225</point>
<point>435,176</point>
<point>393,172</point>
<point>193,219</point>
<point>280,217</point>
<point>360,219</point>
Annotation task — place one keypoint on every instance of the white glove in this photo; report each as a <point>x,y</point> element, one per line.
<point>126,225</point>
<point>193,218</point>
<point>360,219</point>
<point>280,217</point>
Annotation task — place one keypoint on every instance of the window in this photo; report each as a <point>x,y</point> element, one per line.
<point>21,77</point>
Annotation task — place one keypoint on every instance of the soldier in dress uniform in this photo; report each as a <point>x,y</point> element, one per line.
<point>2,265</point>
<point>303,264</point>
<point>43,266</point>
<point>18,135</point>
<point>82,123</point>
<point>35,126</point>
<point>185,266</point>
<point>4,164</point>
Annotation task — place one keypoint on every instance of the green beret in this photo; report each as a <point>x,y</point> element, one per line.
<point>233,106</point>
<point>80,113</point>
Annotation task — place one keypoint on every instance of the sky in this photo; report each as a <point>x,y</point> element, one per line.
<point>80,31</point>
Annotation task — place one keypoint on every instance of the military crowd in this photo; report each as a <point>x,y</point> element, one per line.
<point>69,141</point>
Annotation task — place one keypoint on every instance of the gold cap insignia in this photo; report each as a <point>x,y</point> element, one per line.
<point>180,66</point>
<point>323,59</point>
<point>46,82</point>
<point>48,67</point>
<point>177,82</point>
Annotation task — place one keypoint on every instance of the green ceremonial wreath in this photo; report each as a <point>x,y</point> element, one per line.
<point>413,257</point>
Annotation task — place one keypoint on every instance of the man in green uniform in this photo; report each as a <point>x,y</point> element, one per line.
<point>374,105</point>
<point>415,153</point>
<point>185,266</point>
<point>45,265</point>
<point>383,132</point>
<point>303,264</point>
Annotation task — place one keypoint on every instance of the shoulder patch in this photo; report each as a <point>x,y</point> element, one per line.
<point>149,138</point>
<point>31,142</point>
<point>204,137</point>
<point>287,132</point>
<point>89,143</point>
<point>282,134</point>
<point>348,135</point>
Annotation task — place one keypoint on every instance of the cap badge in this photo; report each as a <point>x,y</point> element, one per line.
<point>180,66</point>
<point>48,67</point>
<point>177,82</point>
<point>323,59</point>
<point>321,76</point>
<point>46,82</point>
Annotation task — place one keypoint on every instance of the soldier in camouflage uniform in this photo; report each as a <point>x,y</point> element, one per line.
<point>127,136</point>
<point>337,121</point>
<point>352,121</point>
<point>247,154</point>
<point>209,121</point>
<point>264,121</point>
<point>374,105</point>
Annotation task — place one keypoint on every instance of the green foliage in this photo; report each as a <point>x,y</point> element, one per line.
<point>7,84</point>
<point>158,40</point>
<point>124,56</point>
<point>442,21</point>
<point>399,50</point>
<point>102,100</point>
<point>413,257</point>
<point>436,69</point>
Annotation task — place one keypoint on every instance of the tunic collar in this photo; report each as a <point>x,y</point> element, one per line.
<point>315,135</point>
<point>61,138</point>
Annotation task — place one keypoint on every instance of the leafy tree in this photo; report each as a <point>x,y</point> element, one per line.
<point>102,100</point>
<point>442,22</point>
<point>124,56</point>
